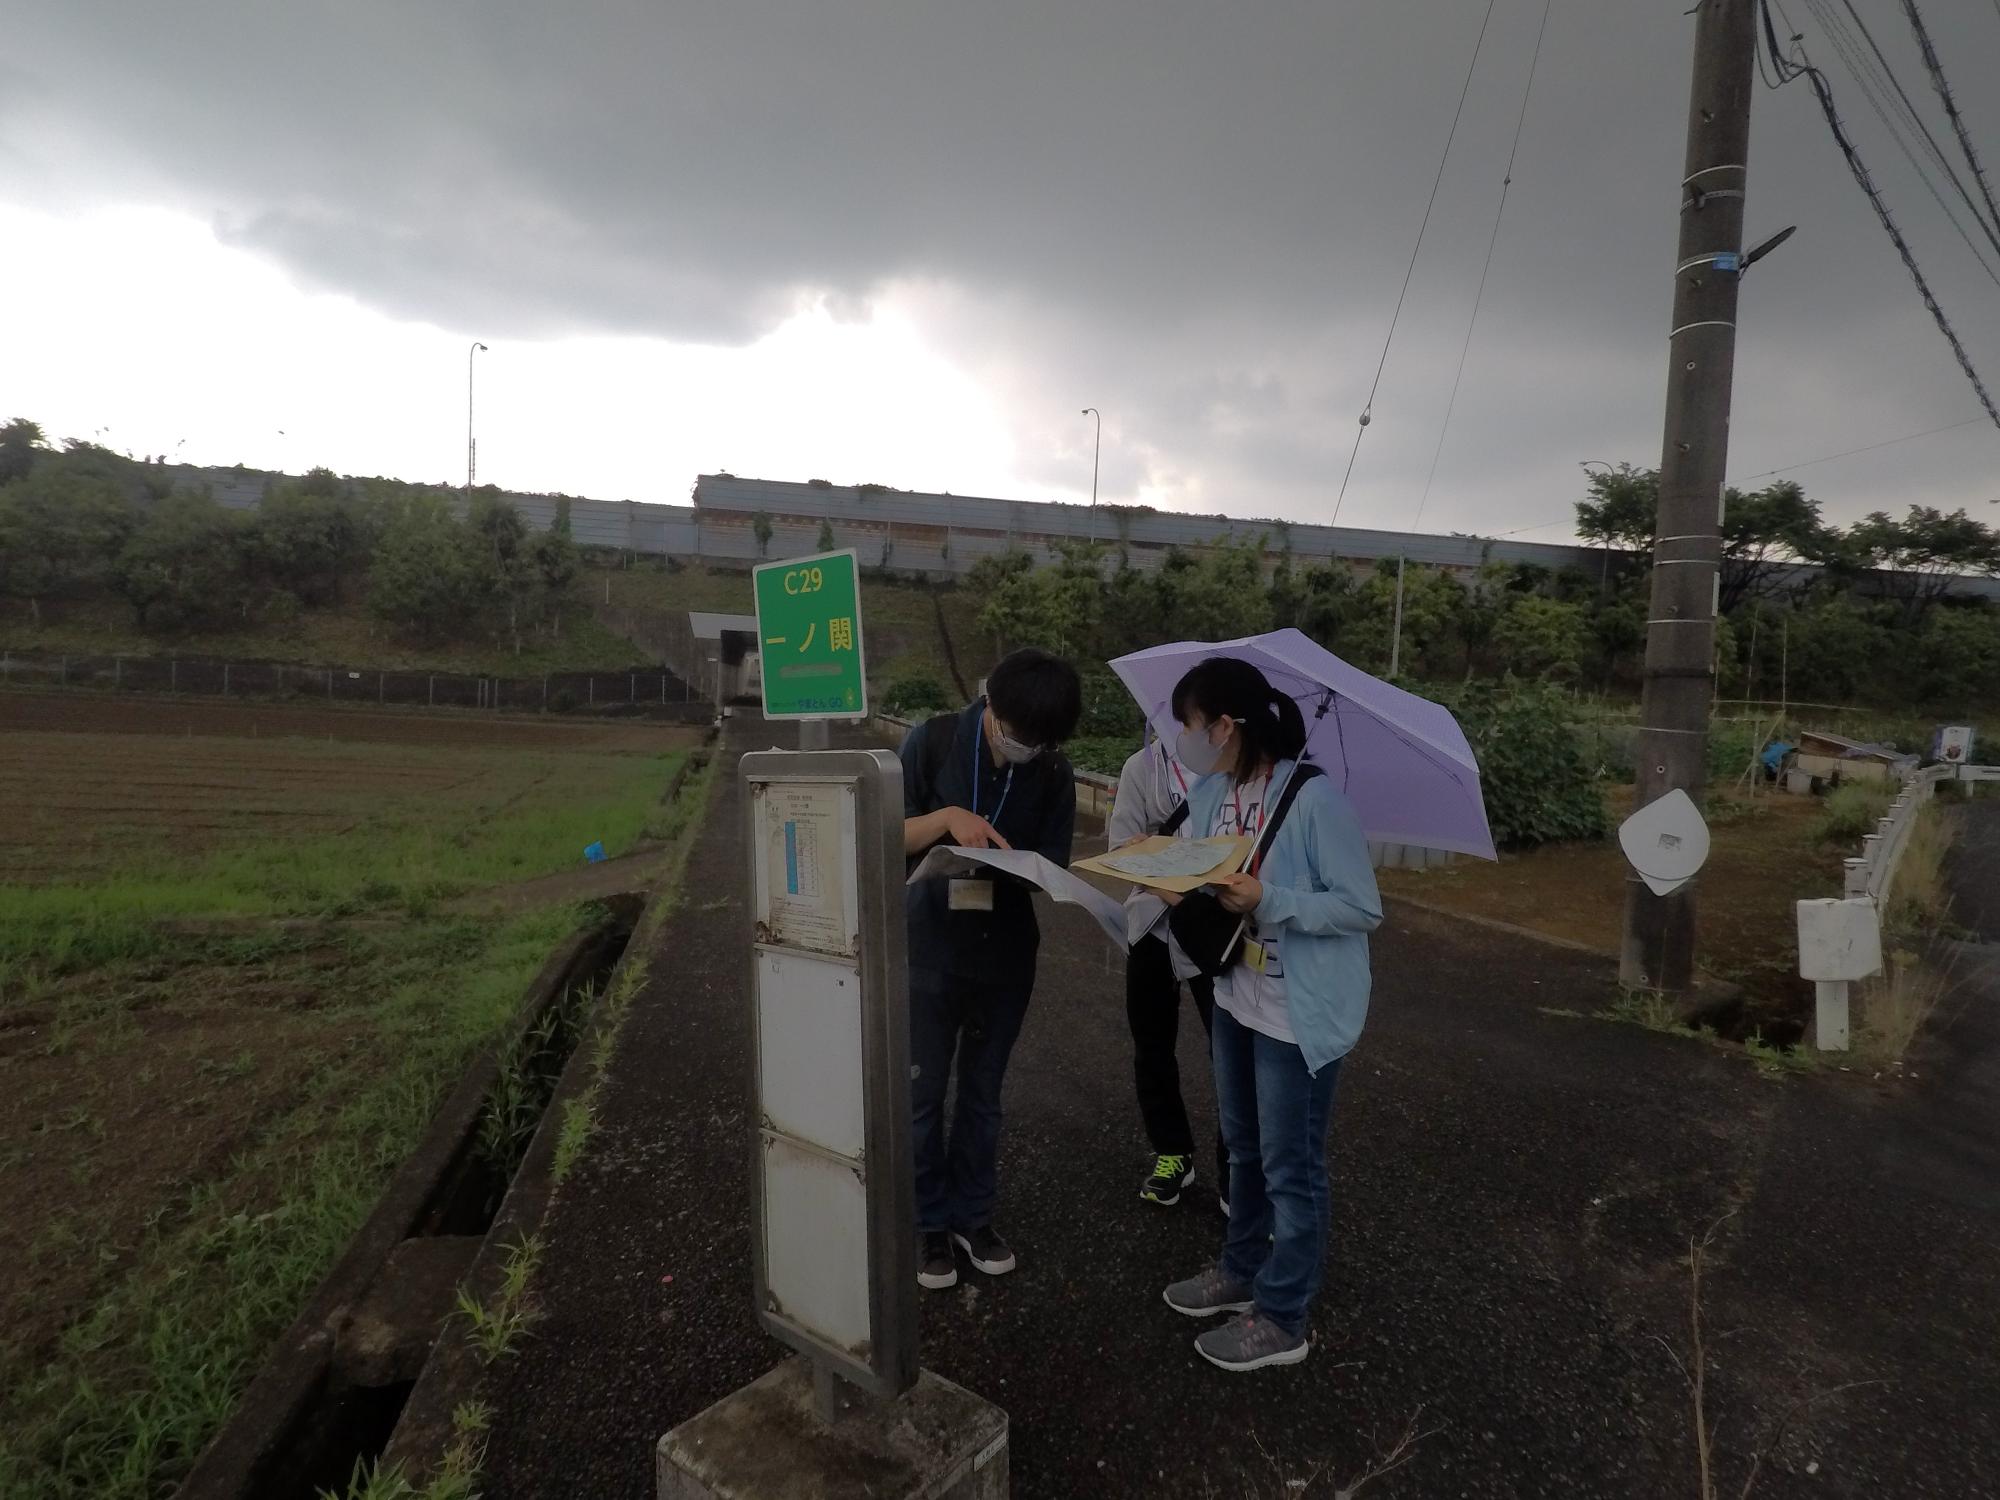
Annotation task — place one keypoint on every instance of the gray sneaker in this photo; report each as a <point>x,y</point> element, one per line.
<point>1250,1343</point>
<point>1209,1293</point>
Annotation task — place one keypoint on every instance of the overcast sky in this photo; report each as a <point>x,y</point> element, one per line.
<point>907,242</point>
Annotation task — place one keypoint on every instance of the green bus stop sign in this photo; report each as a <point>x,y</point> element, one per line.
<point>809,637</point>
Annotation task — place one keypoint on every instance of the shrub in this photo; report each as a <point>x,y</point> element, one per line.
<point>1538,790</point>
<point>1854,810</point>
<point>915,694</point>
<point>1104,754</point>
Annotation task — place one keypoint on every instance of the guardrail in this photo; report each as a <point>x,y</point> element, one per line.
<point>1840,939</point>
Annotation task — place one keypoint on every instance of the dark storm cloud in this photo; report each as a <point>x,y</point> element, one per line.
<point>1194,216</point>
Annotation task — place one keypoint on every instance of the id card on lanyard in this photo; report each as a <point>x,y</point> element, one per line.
<point>968,893</point>
<point>1260,956</point>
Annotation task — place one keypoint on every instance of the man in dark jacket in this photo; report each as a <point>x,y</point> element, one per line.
<point>992,775</point>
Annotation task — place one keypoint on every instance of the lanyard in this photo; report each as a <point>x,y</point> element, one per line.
<point>978,753</point>
<point>1243,822</point>
<point>1172,766</point>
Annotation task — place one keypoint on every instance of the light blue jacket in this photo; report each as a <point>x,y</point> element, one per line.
<point>1321,903</point>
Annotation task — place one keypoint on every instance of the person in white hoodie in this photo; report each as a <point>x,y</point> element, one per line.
<point>1150,787</point>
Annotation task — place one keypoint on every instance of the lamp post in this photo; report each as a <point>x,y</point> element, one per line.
<point>1096,446</point>
<point>471,443</point>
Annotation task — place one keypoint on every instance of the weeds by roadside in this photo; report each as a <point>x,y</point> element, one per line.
<point>1853,810</point>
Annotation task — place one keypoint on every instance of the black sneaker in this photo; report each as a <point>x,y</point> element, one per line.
<point>1170,1175</point>
<point>937,1267</point>
<point>989,1253</point>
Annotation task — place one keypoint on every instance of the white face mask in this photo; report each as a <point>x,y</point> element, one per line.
<point>1012,750</point>
<point>1197,752</point>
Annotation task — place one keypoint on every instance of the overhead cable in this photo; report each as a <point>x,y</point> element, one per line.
<point>1823,91</point>
<point>1506,180</point>
<point>1943,87</point>
<point>1367,411</point>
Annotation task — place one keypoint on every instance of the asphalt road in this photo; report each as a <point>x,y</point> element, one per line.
<point>1515,1194</point>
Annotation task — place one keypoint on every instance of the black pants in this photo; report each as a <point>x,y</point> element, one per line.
<point>1153,1010</point>
<point>974,1022</point>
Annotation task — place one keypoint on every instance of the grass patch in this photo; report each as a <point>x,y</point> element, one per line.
<point>519,815</point>
<point>149,1354</point>
<point>1894,1006</point>
<point>142,1380</point>
<point>1853,810</point>
<point>498,1327</point>
<point>1919,901</point>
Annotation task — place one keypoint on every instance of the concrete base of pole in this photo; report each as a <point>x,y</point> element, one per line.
<point>937,1442</point>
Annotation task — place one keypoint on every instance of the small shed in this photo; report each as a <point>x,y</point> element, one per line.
<point>1834,757</point>
<point>729,655</point>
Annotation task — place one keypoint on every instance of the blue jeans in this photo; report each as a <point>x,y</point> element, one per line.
<point>1274,1122</point>
<point>958,1177</point>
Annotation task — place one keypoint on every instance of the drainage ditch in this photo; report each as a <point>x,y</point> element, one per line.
<point>331,1392</point>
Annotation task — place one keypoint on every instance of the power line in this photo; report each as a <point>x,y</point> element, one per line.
<point>1991,227</point>
<point>1943,88</point>
<point>1865,448</point>
<point>1823,91</point>
<point>1445,156</point>
<point>1506,181</point>
<point>1885,112</point>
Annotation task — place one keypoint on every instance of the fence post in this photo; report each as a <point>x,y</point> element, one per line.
<point>663,687</point>
<point>381,692</point>
<point>591,692</point>
<point>117,672</point>
<point>225,679</point>
<point>173,676</point>
<point>1854,877</point>
<point>1830,1014</point>
<point>631,687</point>
<point>433,691</point>
<point>545,692</point>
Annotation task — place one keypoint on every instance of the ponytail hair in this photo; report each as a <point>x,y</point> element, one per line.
<point>1268,722</point>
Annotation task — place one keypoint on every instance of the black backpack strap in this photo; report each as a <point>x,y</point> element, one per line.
<point>1175,818</point>
<point>940,735</point>
<point>1301,774</point>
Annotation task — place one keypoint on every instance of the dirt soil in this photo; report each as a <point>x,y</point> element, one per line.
<point>133,1095</point>
<point>96,713</point>
<point>1765,858</point>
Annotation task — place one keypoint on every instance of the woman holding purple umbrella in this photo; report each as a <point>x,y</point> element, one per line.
<point>1286,940</point>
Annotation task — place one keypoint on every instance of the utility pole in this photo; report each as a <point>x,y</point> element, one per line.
<point>1658,949</point>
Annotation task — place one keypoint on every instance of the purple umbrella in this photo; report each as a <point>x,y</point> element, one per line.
<point>1402,760</point>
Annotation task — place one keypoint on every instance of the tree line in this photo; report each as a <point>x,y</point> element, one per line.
<point>1864,613</point>
<point>80,518</point>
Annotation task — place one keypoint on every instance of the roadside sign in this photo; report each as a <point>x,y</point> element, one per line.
<point>1953,745</point>
<point>809,637</point>
<point>833,1198</point>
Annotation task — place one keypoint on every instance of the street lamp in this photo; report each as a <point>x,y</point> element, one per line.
<point>1096,446</point>
<point>471,443</point>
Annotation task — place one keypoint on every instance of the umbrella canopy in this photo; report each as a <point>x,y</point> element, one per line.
<point>1402,760</point>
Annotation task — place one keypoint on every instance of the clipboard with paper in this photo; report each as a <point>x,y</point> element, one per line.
<point>1166,863</point>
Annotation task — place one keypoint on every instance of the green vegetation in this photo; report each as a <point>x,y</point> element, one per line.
<point>1854,809</point>
<point>913,695</point>
<point>236,1050</point>
<point>413,855</point>
<point>397,564</point>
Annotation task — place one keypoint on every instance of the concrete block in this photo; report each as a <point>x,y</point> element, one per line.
<point>387,1336</point>
<point>937,1442</point>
